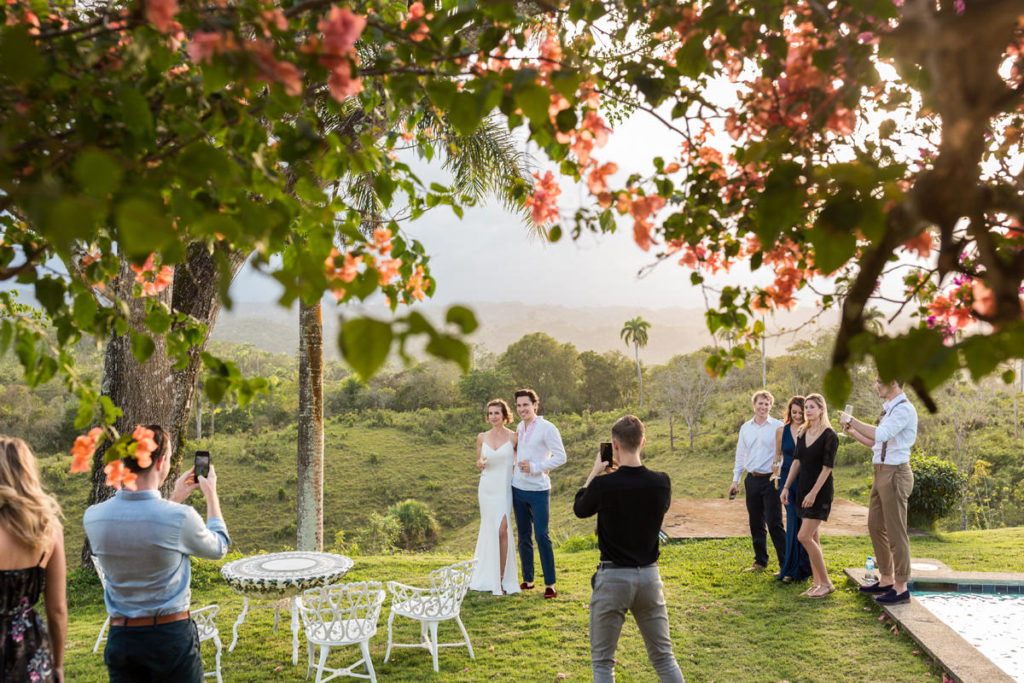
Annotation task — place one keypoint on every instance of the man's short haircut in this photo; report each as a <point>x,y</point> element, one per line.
<point>506,414</point>
<point>528,393</point>
<point>163,448</point>
<point>763,393</point>
<point>629,432</point>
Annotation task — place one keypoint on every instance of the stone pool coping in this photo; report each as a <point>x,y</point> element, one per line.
<point>961,660</point>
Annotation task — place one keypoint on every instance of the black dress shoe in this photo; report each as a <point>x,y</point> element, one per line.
<point>893,598</point>
<point>875,588</point>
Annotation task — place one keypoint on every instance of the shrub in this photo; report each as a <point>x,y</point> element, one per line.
<point>381,535</point>
<point>575,544</point>
<point>938,488</point>
<point>418,528</point>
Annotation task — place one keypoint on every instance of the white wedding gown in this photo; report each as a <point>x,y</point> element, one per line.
<point>495,496</point>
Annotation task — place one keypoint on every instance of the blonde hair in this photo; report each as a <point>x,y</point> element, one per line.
<point>762,393</point>
<point>26,511</point>
<point>820,401</point>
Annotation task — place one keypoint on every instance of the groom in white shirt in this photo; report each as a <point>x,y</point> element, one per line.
<point>539,450</point>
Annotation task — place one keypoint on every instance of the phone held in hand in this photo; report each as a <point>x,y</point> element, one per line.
<point>732,495</point>
<point>606,453</point>
<point>202,464</point>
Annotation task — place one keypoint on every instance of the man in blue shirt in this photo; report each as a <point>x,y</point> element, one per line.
<point>143,543</point>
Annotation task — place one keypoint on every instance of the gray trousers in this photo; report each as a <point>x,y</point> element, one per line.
<point>637,590</point>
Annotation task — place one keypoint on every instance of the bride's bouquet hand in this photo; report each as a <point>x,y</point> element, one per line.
<point>481,463</point>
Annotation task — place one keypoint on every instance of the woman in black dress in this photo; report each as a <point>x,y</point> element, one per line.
<point>813,460</point>
<point>31,563</point>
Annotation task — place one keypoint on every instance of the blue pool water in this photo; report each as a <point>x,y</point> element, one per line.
<point>992,623</point>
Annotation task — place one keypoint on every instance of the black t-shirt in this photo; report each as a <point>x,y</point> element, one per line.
<point>630,504</point>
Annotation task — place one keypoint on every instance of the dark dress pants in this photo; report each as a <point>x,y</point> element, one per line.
<point>168,653</point>
<point>764,510</point>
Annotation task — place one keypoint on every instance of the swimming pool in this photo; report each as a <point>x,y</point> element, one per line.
<point>991,621</point>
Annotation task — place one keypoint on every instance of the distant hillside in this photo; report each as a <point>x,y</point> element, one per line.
<point>673,330</point>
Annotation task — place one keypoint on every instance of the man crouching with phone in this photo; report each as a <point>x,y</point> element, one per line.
<point>630,503</point>
<point>143,544</point>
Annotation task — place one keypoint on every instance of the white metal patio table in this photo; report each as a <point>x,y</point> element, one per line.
<point>282,575</point>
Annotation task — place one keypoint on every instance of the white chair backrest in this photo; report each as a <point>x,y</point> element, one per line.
<point>449,585</point>
<point>99,572</point>
<point>354,608</point>
<point>204,618</point>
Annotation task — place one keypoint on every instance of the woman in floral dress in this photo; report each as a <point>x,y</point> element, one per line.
<point>31,564</point>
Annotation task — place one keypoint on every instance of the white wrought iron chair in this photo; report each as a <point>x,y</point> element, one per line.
<point>103,582</point>
<point>341,614</point>
<point>207,627</point>
<point>430,606</point>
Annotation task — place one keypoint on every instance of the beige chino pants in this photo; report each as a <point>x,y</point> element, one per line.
<point>887,519</point>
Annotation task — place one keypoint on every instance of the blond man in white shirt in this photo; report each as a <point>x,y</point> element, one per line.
<point>755,454</point>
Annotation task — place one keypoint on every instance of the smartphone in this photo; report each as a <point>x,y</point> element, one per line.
<point>202,464</point>
<point>606,452</point>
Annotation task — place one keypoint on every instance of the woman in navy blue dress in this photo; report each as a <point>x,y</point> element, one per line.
<point>796,566</point>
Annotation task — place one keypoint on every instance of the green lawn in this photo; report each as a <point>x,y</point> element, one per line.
<point>726,625</point>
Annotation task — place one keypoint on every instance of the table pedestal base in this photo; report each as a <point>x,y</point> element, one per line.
<point>277,615</point>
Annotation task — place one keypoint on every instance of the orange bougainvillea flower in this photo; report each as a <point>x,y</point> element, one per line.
<point>119,476</point>
<point>382,240</point>
<point>83,450</point>
<point>388,269</point>
<point>920,245</point>
<point>544,202</point>
<point>144,446</point>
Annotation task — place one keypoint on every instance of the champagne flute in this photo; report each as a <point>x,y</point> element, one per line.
<point>848,410</point>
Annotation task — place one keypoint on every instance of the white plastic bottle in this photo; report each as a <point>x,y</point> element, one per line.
<point>869,571</point>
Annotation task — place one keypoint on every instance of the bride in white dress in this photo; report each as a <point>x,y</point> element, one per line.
<point>496,566</point>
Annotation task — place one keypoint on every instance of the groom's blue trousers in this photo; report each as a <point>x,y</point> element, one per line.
<point>531,510</point>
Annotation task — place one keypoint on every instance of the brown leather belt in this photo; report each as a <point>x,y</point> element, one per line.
<point>150,621</point>
<point>759,474</point>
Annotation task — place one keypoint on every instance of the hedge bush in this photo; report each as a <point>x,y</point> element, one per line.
<point>938,488</point>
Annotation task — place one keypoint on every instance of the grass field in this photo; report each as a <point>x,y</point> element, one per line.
<point>726,625</point>
<point>429,456</point>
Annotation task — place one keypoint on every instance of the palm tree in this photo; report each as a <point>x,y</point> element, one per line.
<point>635,332</point>
<point>482,163</point>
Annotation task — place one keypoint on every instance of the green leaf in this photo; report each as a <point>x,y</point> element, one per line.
<point>142,228</point>
<point>449,348</point>
<point>465,112</point>
<point>142,346</point>
<point>85,309</point>
<point>135,111</point>
<point>837,385</point>
<point>97,173</point>
<point>691,58</point>
<point>18,54</point>
<point>534,100</point>
<point>216,387</point>
<point>365,344</point>
<point>463,317</point>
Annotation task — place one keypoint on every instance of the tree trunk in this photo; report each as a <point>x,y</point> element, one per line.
<point>213,421</point>
<point>639,375</point>
<point>310,461</point>
<point>671,436</point>
<point>142,391</point>
<point>199,417</point>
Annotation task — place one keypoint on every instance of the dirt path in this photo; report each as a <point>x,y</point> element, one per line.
<point>723,518</point>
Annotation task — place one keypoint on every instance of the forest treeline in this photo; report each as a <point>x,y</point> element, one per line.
<point>977,427</point>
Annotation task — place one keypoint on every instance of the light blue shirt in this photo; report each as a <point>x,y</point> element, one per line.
<point>143,543</point>
<point>899,428</point>
<point>540,444</point>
